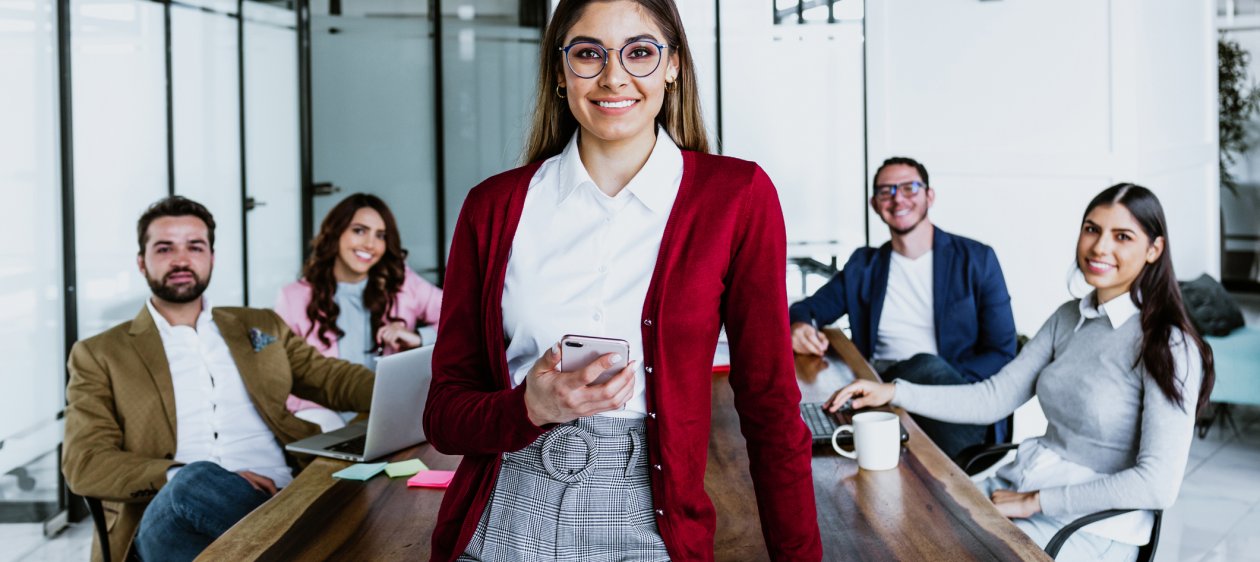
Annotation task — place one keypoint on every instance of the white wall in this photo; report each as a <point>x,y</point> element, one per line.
<point>1023,111</point>
<point>700,23</point>
<point>792,101</point>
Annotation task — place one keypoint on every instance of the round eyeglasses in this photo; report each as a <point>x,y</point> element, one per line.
<point>907,188</point>
<point>639,58</point>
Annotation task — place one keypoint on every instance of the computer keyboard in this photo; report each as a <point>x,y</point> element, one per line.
<point>355,446</point>
<point>821,423</point>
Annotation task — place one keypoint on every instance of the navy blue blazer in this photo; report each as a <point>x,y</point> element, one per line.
<point>975,331</point>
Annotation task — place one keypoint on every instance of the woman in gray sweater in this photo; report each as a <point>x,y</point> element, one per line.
<point>1120,375</point>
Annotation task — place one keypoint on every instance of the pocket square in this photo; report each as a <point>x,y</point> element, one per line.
<point>260,339</point>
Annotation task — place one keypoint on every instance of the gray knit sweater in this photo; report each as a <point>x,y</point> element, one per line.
<point>1103,413</point>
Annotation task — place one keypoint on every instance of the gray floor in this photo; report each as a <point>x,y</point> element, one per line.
<point>1216,517</point>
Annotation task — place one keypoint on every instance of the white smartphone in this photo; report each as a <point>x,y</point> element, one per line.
<point>576,352</point>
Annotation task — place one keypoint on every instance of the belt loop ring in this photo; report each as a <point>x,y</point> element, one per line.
<point>556,436</point>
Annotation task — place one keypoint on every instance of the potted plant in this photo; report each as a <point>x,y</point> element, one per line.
<point>1239,100</point>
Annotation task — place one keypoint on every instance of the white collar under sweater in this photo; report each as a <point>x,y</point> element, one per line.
<point>1118,310</point>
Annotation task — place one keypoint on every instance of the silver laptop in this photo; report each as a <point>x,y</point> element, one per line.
<point>402,386</point>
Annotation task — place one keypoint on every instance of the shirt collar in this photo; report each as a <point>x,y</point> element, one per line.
<point>655,184</point>
<point>164,327</point>
<point>1118,310</point>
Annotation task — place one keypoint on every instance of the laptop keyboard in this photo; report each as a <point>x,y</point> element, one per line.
<point>355,446</point>
<point>821,423</point>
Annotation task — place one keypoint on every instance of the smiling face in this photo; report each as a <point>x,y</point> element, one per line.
<point>902,212</point>
<point>360,247</point>
<point>1113,249</point>
<point>177,260</point>
<point>616,106</point>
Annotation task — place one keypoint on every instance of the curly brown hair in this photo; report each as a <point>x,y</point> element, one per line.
<point>385,279</point>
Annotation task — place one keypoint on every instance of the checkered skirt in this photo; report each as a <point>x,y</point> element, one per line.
<point>580,492</point>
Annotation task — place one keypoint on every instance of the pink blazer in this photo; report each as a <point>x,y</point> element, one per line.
<point>418,300</point>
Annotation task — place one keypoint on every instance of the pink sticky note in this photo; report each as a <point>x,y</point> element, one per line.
<point>431,479</point>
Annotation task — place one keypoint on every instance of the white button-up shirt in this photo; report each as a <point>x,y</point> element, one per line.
<point>215,419</point>
<point>582,261</point>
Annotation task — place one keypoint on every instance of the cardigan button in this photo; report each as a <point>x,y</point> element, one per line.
<point>647,322</point>
<point>648,369</point>
<point>657,467</point>
<point>660,512</point>
<point>652,415</point>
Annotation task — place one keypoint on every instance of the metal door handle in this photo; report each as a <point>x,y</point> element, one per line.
<point>324,188</point>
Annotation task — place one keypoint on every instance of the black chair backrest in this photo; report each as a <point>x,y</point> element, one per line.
<point>98,519</point>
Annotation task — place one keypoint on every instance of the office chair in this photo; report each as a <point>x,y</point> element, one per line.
<point>98,520</point>
<point>976,459</point>
<point>1146,552</point>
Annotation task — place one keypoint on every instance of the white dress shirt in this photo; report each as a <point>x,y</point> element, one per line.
<point>907,324</point>
<point>582,261</point>
<point>215,419</point>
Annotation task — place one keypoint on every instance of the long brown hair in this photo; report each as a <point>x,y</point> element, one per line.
<point>554,124</point>
<point>1158,296</point>
<point>385,278</point>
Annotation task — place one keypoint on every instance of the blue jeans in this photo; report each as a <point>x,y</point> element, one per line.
<point>202,501</point>
<point>929,369</point>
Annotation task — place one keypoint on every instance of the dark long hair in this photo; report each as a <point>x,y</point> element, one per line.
<point>385,278</point>
<point>1156,293</point>
<point>553,123</point>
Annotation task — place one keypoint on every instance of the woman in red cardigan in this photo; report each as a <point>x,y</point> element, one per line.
<point>623,226</point>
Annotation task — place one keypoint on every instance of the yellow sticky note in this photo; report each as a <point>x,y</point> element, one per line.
<point>404,468</point>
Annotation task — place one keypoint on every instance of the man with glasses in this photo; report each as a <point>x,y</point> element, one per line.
<point>928,306</point>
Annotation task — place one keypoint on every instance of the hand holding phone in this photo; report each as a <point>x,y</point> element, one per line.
<point>576,352</point>
<point>561,386</point>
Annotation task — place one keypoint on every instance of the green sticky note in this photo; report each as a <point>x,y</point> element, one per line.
<point>405,468</point>
<point>359,471</point>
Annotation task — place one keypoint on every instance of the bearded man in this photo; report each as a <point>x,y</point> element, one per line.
<point>176,420</point>
<point>928,306</point>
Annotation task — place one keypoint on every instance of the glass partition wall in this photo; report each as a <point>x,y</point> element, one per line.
<point>489,68</point>
<point>251,110</point>
<point>31,296</point>
<point>377,117</point>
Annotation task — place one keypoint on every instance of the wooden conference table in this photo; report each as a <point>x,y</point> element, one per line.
<point>926,509</point>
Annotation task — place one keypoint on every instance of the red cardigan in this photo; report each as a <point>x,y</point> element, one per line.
<point>721,262</point>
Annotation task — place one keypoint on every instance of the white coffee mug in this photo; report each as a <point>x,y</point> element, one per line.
<point>876,440</point>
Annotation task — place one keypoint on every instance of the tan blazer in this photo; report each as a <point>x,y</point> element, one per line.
<point>120,417</point>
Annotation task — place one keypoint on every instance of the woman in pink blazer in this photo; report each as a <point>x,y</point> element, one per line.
<point>356,298</point>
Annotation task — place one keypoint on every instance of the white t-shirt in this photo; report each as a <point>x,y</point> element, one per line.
<point>907,325</point>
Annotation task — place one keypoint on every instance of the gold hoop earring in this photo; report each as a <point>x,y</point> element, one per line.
<point>560,92</point>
